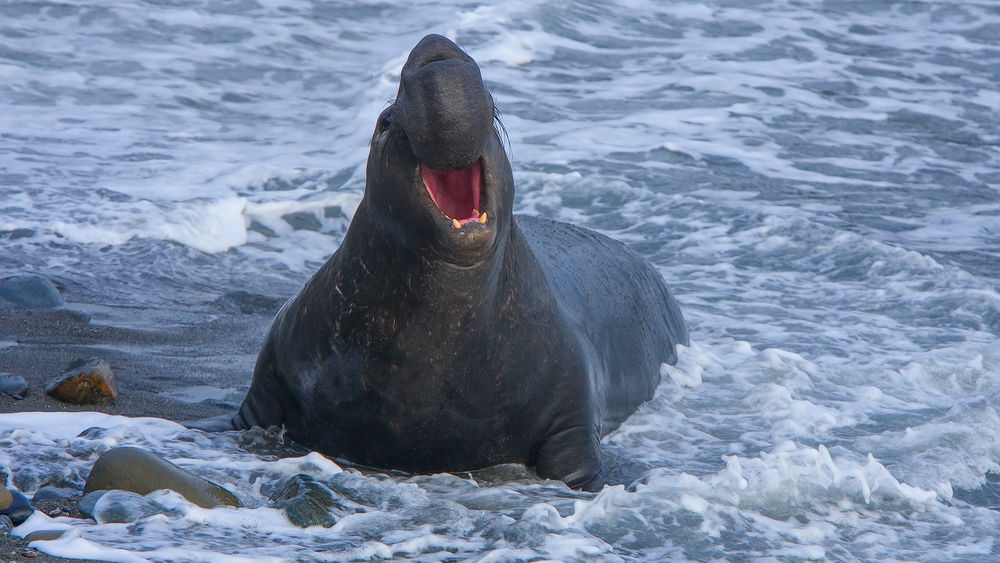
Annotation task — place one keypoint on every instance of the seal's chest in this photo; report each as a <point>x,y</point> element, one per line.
<point>424,386</point>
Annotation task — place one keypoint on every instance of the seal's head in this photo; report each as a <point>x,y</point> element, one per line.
<point>437,172</point>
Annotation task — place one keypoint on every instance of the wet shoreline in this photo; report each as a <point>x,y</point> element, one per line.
<point>150,367</point>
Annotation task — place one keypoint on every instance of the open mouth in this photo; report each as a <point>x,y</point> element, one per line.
<point>456,194</point>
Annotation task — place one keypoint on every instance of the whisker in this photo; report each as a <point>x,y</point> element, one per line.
<point>501,131</point>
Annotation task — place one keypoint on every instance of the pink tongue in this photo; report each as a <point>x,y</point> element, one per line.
<point>455,193</point>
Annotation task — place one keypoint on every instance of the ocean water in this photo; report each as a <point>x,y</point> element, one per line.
<point>817,181</point>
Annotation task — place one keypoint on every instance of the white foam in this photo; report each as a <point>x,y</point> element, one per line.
<point>209,226</point>
<point>51,426</point>
<point>71,545</point>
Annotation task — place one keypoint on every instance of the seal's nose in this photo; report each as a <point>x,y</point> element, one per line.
<point>443,105</point>
<point>433,48</point>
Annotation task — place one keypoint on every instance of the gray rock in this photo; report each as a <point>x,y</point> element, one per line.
<point>85,382</point>
<point>306,502</point>
<point>13,385</point>
<point>31,292</point>
<point>124,507</point>
<point>50,493</point>
<point>142,472</point>
<point>19,510</point>
<point>88,502</point>
<point>504,473</point>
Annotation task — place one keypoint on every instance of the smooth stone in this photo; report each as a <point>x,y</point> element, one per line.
<point>31,292</point>
<point>85,382</point>
<point>13,385</point>
<point>50,493</point>
<point>124,507</point>
<point>88,502</point>
<point>142,472</point>
<point>503,473</point>
<point>5,499</point>
<point>306,502</point>
<point>19,510</point>
<point>44,535</point>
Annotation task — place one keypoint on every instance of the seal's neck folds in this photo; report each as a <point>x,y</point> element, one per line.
<point>456,193</point>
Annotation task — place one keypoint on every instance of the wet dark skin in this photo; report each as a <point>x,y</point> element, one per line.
<point>432,342</point>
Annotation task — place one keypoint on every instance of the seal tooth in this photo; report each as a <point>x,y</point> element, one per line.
<point>455,224</point>
<point>482,218</point>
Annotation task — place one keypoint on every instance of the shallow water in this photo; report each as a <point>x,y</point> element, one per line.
<point>817,182</point>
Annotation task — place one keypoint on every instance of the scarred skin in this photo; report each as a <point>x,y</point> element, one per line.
<point>424,347</point>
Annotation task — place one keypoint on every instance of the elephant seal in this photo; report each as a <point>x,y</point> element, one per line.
<point>445,334</point>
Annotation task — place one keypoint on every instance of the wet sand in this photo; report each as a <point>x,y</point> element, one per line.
<point>150,366</point>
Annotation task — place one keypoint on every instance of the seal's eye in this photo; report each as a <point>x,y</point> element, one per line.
<point>385,121</point>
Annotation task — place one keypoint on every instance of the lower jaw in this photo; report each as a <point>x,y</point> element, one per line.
<point>477,217</point>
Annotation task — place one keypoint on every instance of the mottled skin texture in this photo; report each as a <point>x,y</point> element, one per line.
<point>423,347</point>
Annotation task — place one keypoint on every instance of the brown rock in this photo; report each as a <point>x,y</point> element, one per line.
<point>5,499</point>
<point>85,382</point>
<point>44,535</point>
<point>142,472</point>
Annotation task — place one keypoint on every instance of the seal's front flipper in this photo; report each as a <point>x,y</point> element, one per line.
<point>213,424</point>
<point>572,455</point>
